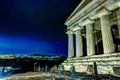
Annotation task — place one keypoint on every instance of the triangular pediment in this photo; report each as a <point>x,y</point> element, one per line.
<point>82,4</point>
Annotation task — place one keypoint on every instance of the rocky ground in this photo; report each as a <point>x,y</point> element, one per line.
<point>48,76</point>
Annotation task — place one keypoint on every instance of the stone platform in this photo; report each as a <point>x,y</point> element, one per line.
<point>106,64</point>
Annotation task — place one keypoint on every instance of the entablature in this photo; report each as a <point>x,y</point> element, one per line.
<point>91,11</point>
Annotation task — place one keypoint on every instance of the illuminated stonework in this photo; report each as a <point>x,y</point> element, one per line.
<point>98,23</point>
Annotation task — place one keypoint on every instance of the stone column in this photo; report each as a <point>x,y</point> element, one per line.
<point>70,44</point>
<point>119,28</point>
<point>90,40</point>
<point>79,43</point>
<point>119,33</point>
<point>108,44</point>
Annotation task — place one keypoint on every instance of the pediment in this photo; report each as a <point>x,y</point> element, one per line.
<point>82,4</point>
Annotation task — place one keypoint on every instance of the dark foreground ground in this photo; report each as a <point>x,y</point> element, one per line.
<point>49,76</point>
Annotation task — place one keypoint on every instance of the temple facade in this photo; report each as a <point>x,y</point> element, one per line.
<point>93,31</point>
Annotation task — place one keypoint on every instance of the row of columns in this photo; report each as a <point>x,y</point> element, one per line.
<point>107,39</point>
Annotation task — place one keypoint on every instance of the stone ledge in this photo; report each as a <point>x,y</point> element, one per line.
<point>105,63</point>
<point>96,56</point>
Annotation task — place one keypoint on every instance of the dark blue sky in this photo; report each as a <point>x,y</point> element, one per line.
<point>34,26</point>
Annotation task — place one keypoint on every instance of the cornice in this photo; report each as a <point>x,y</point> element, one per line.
<point>72,19</point>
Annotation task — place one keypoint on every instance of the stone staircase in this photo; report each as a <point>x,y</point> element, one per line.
<point>105,63</point>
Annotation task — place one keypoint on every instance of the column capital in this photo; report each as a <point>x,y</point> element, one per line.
<point>113,4</point>
<point>100,13</point>
<point>87,21</point>
<point>77,27</point>
<point>70,32</point>
<point>103,12</point>
<point>118,4</point>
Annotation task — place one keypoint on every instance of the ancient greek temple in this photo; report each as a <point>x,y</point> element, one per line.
<point>93,31</point>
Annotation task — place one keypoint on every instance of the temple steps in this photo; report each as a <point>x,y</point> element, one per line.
<point>105,59</point>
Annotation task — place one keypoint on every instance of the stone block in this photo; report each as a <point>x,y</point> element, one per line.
<point>80,68</point>
<point>90,69</point>
<point>116,70</point>
<point>105,70</point>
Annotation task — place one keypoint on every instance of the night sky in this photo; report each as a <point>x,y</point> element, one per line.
<point>34,26</point>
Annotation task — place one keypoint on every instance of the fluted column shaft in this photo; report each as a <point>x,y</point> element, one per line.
<point>79,43</point>
<point>70,45</point>
<point>90,40</point>
<point>108,44</point>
